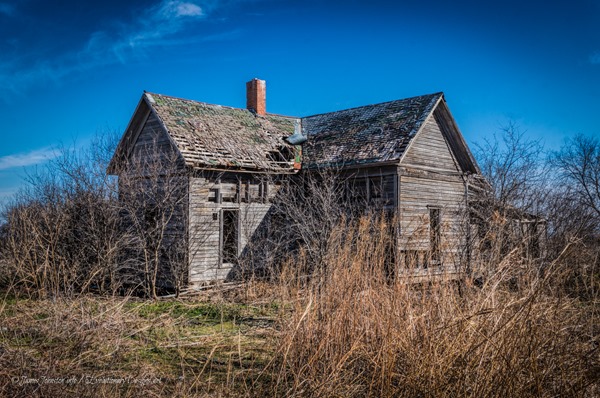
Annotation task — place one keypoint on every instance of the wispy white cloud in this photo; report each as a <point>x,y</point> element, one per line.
<point>154,27</point>
<point>31,158</point>
<point>595,58</point>
<point>162,20</point>
<point>185,9</point>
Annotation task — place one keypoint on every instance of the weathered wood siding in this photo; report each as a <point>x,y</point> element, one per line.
<point>153,150</point>
<point>209,195</point>
<point>429,177</point>
<point>154,190</point>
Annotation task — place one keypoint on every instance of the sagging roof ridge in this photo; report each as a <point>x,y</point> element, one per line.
<point>440,93</point>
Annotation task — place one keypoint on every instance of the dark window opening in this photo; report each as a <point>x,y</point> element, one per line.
<point>230,235</point>
<point>435,234</point>
<point>375,191</point>
<point>357,191</point>
<point>533,240</point>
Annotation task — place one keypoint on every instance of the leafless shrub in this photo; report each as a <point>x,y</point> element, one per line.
<point>61,231</point>
<point>74,229</point>
<point>311,204</point>
<point>153,210</point>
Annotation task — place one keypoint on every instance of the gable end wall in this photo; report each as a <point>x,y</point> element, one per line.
<point>154,151</point>
<point>429,177</point>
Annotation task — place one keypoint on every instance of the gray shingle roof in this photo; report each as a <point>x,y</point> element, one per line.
<point>223,137</point>
<point>219,137</point>
<point>368,134</point>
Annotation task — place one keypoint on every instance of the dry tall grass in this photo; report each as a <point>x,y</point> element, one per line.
<point>355,332</point>
<point>345,330</point>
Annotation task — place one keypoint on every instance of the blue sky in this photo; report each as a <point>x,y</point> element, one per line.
<point>70,69</point>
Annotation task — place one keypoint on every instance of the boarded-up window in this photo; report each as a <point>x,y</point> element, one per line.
<point>435,234</point>
<point>229,235</point>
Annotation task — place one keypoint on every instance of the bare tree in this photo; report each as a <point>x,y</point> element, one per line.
<point>506,210</point>
<point>515,168</point>
<point>312,204</point>
<point>579,164</point>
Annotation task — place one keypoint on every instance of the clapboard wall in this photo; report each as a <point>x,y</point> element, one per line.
<point>429,178</point>
<point>210,194</point>
<point>153,188</point>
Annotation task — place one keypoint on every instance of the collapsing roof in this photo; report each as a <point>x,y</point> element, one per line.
<point>214,136</point>
<point>223,138</point>
<point>218,136</point>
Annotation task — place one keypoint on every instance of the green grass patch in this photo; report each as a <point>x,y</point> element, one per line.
<point>204,312</point>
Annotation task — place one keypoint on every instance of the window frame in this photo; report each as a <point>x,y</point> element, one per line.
<point>435,235</point>
<point>224,257</point>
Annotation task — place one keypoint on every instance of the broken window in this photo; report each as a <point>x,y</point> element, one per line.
<point>229,235</point>
<point>255,191</point>
<point>435,234</point>
<point>375,190</point>
<point>357,190</point>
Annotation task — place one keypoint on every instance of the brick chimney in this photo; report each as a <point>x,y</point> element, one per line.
<point>256,96</point>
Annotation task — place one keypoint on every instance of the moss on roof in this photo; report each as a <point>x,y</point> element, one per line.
<point>224,137</point>
<point>219,136</point>
<point>367,134</point>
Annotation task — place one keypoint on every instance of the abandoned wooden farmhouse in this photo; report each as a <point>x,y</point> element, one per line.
<point>407,156</point>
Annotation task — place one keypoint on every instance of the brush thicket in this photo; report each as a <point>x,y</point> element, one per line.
<point>356,331</point>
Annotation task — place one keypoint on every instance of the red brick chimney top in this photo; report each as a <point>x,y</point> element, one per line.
<point>256,96</point>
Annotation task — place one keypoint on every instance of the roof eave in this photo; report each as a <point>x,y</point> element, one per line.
<point>461,138</point>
